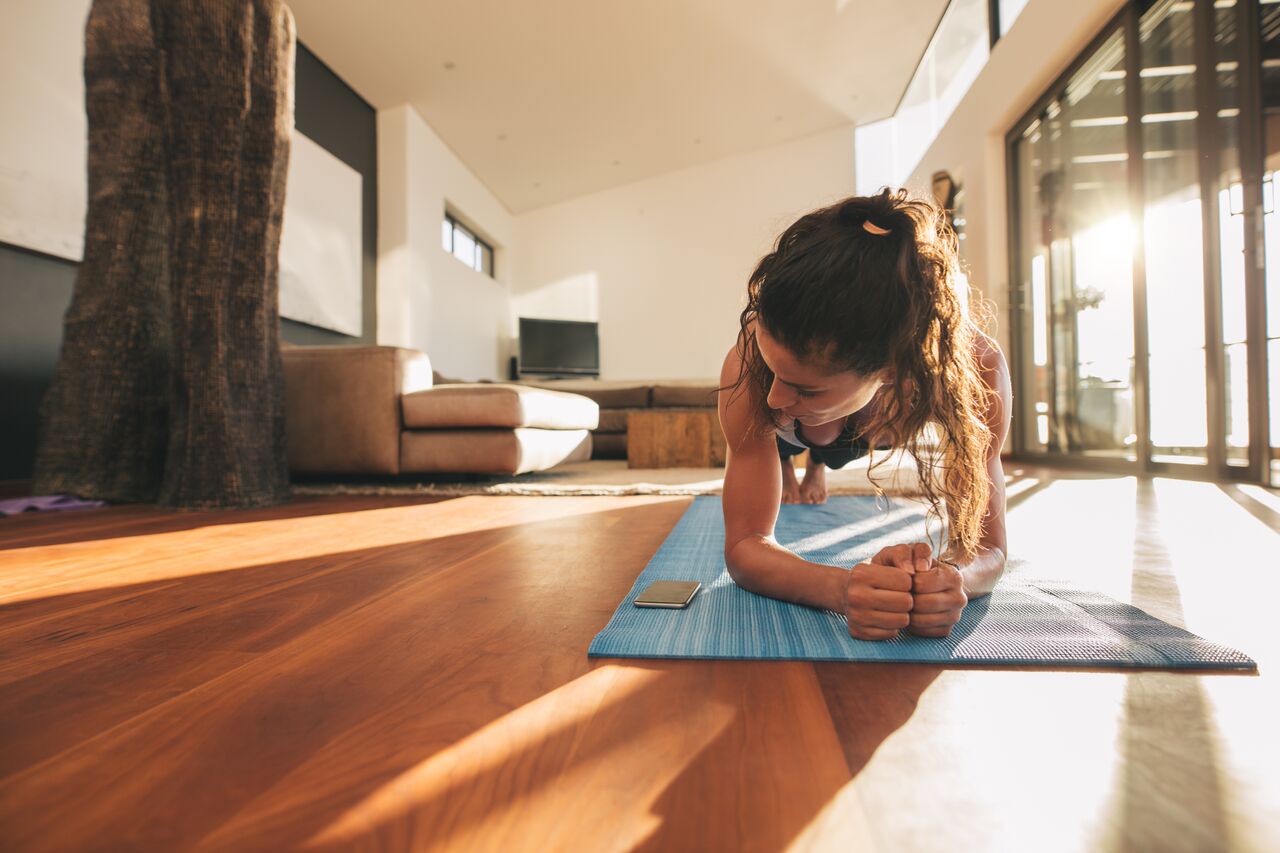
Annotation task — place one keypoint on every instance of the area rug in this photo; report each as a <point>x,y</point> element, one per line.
<point>1025,622</point>
<point>896,475</point>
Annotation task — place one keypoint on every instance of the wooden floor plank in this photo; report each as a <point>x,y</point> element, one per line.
<point>58,710</point>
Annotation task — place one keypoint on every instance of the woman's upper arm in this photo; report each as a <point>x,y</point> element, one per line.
<point>753,475</point>
<point>995,373</point>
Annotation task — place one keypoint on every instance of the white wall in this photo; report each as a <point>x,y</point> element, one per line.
<point>662,264</point>
<point>43,186</point>
<point>1047,37</point>
<point>427,299</point>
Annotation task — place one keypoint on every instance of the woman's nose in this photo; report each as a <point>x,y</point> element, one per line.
<point>779,397</point>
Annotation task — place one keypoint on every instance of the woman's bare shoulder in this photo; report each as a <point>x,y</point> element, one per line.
<point>739,399</point>
<point>731,367</point>
<point>991,360</point>
<point>731,370</point>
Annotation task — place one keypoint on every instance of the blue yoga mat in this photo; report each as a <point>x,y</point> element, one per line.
<point>1026,621</point>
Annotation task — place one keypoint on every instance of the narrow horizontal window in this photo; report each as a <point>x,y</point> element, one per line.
<point>461,242</point>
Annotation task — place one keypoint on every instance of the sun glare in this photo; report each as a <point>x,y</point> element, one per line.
<point>548,758</point>
<point>103,564</point>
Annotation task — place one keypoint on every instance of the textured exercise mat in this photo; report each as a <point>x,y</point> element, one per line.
<point>1026,621</point>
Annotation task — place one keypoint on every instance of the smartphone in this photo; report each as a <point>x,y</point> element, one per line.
<point>674,594</point>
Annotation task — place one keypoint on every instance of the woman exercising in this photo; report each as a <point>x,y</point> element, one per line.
<point>856,335</point>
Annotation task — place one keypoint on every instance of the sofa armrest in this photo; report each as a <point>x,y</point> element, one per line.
<point>342,406</point>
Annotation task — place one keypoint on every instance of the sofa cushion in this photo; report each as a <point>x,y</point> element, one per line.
<point>497,405</point>
<point>613,394</point>
<point>342,411</point>
<point>490,451</point>
<point>613,420</point>
<point>700,393</point>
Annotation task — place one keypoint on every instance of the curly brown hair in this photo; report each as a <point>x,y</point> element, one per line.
<point>858,299</point>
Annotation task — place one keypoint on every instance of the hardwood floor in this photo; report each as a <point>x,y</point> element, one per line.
<point>388,674</point>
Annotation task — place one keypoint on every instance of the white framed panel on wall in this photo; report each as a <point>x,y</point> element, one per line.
<point>320,247</point>
<point>43,147</point>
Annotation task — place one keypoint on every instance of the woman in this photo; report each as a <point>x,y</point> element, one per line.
<point>856,335</point>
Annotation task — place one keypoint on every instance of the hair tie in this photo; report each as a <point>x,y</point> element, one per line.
<point>871,228</point>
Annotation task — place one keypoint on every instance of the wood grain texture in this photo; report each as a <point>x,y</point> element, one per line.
<point>674,438</point>
<point>395,674</point>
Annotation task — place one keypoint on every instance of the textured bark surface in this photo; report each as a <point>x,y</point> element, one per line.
<point>103,420</point>
<point>229,108</point>
<point>169,384</point>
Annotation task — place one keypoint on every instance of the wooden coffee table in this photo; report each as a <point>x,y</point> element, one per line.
<point>674,438</point>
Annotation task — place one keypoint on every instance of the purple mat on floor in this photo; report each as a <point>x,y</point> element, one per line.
<point>46,503</point>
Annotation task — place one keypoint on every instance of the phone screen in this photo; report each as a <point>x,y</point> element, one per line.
<point>668,594</point>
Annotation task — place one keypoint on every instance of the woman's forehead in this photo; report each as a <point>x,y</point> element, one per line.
<point>790,367</point>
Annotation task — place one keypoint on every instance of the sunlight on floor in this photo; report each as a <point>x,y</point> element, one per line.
<point>1267,497</point>
<point>1195,519</point>
<point>148,558</point>
<point>508,785</point>
<point>904,519</point>
<point>1073,721</point>
<point>1016,486</point>
<point>1102,512</point>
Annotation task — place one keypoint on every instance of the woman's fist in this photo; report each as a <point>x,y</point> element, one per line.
<point>904,587</point>
<point>939,600</point>
<point>877,601</point>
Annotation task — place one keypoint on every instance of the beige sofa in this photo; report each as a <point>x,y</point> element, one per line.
<point>377,410</point>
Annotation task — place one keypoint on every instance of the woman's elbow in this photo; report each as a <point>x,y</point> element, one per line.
<point>737,561</point>
<point>733,567</point>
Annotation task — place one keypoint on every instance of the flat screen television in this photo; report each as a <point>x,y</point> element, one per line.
<point>559,347</point>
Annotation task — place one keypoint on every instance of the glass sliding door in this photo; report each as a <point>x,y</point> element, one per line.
<point>1166,128</point>
<point>1270,87</point>
<point>1173,236</point>
<point>1035,412</point>
<point>1075,269</point>
<point>1229,190</point>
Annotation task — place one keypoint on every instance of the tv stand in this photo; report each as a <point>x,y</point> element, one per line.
<point>541,376</point>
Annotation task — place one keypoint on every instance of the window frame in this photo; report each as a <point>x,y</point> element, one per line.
<point>484,261</point>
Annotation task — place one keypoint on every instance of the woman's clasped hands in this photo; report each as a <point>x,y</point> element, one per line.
<point>903,587</point>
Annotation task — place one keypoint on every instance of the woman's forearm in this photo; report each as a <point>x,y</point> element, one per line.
<point>762,566</point>
<point>981,571</point>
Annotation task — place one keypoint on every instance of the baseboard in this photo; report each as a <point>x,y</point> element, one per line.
<point>14,488</point>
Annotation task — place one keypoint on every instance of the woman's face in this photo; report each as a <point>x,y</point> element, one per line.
<point>806,392</point>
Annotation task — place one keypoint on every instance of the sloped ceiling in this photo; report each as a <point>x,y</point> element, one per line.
<point>545,100</point>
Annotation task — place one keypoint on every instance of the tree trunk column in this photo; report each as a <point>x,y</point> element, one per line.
<point>104,417</point>
<point>169,384</point>
<point>228,94</point>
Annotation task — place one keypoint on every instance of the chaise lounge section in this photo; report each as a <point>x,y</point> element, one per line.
<point>377,410</point>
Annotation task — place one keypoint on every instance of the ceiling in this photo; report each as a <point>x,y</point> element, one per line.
<point>552,99</point>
